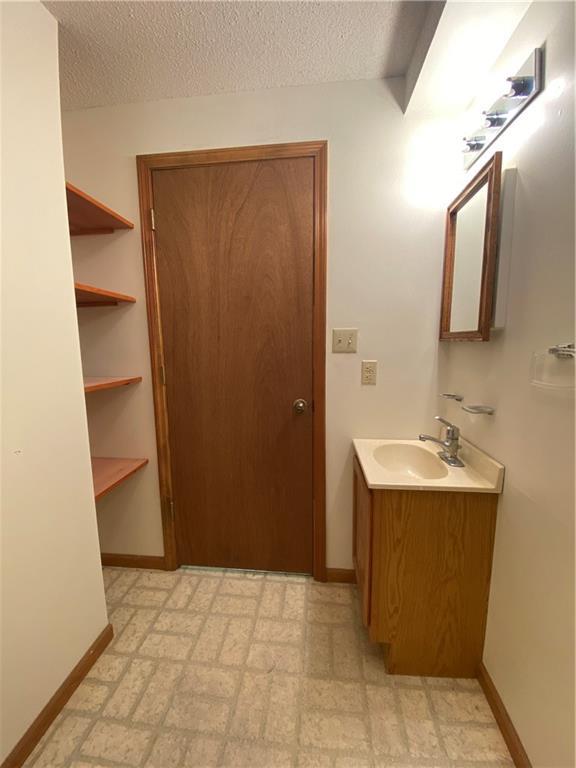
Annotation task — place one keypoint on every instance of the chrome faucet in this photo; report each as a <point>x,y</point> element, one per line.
<point>450,444</point>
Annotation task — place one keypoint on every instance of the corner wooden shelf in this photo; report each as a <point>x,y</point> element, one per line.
<point>88,216</point>
<point>107,473</point>
<point>90,296</point>
<point>96,383</point>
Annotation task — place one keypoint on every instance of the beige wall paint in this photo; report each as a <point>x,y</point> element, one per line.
<point>52,593</point>
<point>384,265</point>
<point>530,636</point>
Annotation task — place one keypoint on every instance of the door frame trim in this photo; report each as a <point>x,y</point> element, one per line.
<point>146,165</point>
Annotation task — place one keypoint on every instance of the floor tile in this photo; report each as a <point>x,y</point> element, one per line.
<point>461,706</point>
<point>473,743</point>
<point>158,580</point>
<point>168,751</point>
<point>88,697</point>
<point>330,731</point>
<point>63,742</point>
<point>271,657</point>
<point>240,587</point>
<point>128,640</point>
<point>174,647</point>
<point>309,759</point>
<point>203,752</point>
<point>121,585</point>
<point>234,605</point>
<point>271,630</point>
<point>180,622</point>
<point>251,706</point>
<point>211,668</point>
<point>159,691</point>
<point>282,713</point>
<point>108,668</point>
<point>190,712</point>
<point>236,641</point>
<point>330,593</point>
<point>145,598</point>
<point>272,600</point>
<point>238,755</point>
<point>330,613</point>
<point>334,694</point>
<point>111,741</point>
<point>182,593</point>
<point>130,689</point>
<point>210,639</point>
<point>209,681</point>
<point>388,730</point>
<point>203,595</point>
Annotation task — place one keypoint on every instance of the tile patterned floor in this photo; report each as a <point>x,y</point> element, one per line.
<point>220,668</point>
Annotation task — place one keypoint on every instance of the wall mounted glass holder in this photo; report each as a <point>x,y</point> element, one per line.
<point>554,368</point>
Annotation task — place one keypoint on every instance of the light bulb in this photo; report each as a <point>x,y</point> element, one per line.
<point>494,119</point>
<point>474,143</point>
<point>520,87</point>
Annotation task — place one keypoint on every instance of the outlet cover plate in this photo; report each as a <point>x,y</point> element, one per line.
<point>369,371</point>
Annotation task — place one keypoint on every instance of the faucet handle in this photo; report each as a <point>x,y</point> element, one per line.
<point>452,431</point>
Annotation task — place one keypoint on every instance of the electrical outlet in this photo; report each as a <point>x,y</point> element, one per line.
<point>344,339</point>
<point>369,368</point>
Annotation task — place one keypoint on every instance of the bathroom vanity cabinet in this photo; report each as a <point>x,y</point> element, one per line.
<point>423,561</point>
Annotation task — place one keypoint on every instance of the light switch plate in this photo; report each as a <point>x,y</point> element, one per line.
<point>369,370</point>
<point>344,339</point>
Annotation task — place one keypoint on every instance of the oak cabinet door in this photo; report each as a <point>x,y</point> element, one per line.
<point>363,539</point>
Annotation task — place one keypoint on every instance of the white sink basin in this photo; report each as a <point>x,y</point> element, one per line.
<point>413,460</point>
<point>414,465</point>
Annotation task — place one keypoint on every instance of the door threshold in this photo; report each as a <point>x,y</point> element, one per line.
<point>244,571</point>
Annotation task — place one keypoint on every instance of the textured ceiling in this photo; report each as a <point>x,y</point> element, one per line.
<point>120,52</point>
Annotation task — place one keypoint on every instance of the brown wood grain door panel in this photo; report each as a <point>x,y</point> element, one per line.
<point>235,269</point>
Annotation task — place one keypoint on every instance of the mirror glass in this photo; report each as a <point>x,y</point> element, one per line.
<point>472,222</point>
<point>468,256</point>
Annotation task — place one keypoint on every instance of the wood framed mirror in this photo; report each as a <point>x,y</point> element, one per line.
<point>470,251</point>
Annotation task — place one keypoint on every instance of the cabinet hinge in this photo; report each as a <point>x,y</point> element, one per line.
<point>162,376</point>
<point>152,219</point>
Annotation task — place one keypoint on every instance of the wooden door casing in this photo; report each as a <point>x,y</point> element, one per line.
<point>316,156</point>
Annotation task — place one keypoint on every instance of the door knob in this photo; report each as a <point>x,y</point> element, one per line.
<point>300,405</point>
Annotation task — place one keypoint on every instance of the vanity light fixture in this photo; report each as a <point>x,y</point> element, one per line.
<point>522,86</point>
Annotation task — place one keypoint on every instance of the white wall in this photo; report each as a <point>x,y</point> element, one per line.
<point>52,594</point>
<point>530,636</point>
<point>384,272</point>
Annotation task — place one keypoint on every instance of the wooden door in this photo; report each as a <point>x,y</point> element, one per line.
<point>234,248</point>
